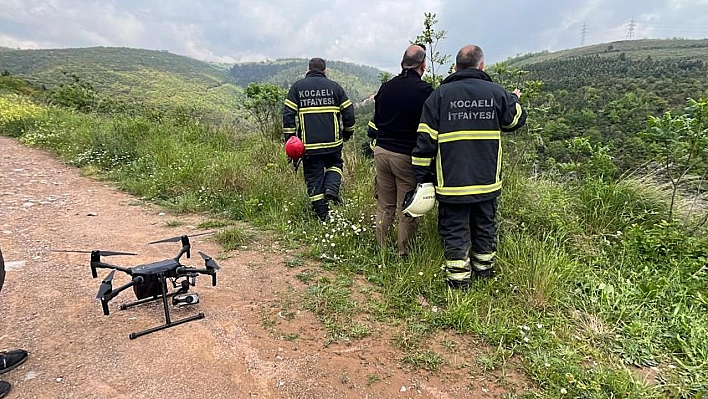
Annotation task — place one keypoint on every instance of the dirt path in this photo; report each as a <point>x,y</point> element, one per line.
<point>47,307</point>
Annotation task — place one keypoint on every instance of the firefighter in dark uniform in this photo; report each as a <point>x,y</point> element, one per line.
<point>459,149</point>
<point>318,111</point>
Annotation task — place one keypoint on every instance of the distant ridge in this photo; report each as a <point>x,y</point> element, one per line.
<point>634,49</point>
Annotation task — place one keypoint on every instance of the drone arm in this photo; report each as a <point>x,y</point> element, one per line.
<point>102,265</point>
<point>110,295</point>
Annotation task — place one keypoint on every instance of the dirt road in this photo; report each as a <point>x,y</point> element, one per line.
<point>47,307</point>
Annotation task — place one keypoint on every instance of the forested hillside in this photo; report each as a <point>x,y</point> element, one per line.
<point>131,77</point>
<point>358,81</point>
<point>606,92</point>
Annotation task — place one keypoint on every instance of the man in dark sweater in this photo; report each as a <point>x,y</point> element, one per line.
<point>394,128</point>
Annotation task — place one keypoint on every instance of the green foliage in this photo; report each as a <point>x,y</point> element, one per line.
<point>77,94</point>
<point>431,38</point>
<point>680,143</point>
<point>265,104</point>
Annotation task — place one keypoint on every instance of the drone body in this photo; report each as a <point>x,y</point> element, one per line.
<point>149,281</point>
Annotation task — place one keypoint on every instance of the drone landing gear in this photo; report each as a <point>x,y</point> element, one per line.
<point>168,322</point>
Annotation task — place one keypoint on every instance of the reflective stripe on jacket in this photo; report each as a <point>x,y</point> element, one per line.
<point>459,136</point>
<point>313,109</point>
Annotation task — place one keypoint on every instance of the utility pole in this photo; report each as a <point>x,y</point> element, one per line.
<point>630,29</point>
<point>583,32</point>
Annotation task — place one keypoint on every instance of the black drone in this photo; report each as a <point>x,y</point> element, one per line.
<point>149,281</point>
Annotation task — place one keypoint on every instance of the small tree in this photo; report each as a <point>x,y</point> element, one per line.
<point>385,77</point>
<point>264,101</point>
<point>680,143</point>
<point>431,39</point>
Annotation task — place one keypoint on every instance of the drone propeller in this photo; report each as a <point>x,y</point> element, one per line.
<point>179,238</point>
<point>106,285</point>
<point>208,261</point>
<point>101,253</point>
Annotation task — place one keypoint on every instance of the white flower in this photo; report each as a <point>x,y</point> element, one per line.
<point>332,244</point>
<point>526,339</point>
<point>564,391</point>
<point>420,273</point>
<point>539,326</point>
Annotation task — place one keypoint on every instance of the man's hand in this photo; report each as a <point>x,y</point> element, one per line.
<point>517,92</point>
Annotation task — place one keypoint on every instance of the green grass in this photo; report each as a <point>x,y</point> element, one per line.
<point>593,287</point>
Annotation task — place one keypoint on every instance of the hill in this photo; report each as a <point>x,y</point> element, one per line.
<point>358,81</point>
<point>136,76</point>
<point>606,92</point>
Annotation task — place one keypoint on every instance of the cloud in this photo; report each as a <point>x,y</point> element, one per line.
<point>368,32</point>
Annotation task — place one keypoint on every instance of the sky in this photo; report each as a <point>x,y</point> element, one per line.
<point>367,32</point>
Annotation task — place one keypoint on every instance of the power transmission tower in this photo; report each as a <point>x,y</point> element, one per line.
<point>630,29</point>
<point>583,32</point>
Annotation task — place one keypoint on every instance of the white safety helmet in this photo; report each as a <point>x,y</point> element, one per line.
<point>421,202</point>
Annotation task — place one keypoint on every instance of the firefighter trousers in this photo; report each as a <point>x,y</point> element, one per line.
<point>323,176</point>
<point>469,239</point>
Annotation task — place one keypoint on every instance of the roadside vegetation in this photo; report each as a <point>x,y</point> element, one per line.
<point>601,290</point>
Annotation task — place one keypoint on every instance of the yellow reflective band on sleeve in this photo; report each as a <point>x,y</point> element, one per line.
<point>424,128</point>
<point>513,123</point>
<point>469,135</point>
<point>334,169</point>
<point>469,190</point>
<point>349,128</point>
<point>290,104</point>
<point>373,126</point>
<point>288,130</point>
<point>417,161</point>
<point>323,145</point>
<point>345,104</point>
<point>317,197</point>
<point>318,110</point>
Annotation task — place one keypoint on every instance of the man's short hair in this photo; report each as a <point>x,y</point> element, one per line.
<point>413,56</point>
<point>317,65</point>
<point>469,57</point>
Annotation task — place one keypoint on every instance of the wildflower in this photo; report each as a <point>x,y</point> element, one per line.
<point>564,391</point>
<point>420,273</point>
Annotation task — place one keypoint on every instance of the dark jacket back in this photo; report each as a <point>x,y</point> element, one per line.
<point>460,136</point>
<point>315,109</point>
<point>399,103</point>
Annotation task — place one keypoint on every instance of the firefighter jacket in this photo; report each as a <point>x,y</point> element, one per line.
<point>398,105</point>
<point>318,111</point>
<point>459,136</point>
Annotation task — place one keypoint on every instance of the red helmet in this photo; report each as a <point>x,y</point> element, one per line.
<point>294,148</point>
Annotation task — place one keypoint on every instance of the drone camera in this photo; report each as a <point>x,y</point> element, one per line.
<point>185,299</point>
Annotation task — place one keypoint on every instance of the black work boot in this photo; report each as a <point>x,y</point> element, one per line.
<point>321,209</point>
<point>484,274</point>
<point>4,388</point>
<point>458,285</point>
<point>333,197</point>
<point>11,359</point>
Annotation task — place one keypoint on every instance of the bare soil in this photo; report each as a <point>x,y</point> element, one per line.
<point>243,348</point>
